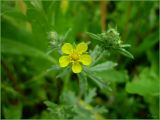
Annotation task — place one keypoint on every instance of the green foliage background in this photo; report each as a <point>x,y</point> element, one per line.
<point>30,90</point>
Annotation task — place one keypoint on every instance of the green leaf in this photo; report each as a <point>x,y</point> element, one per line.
<point>145,84</point>
<point>91,94</point>
<point>68,97</point>
<point>97,54</point>
<point>143,87</point>
<point>98,80</point>
<point>125,53</point>
<point>94,36</point>
<point>18,48</point>
<point>114,76</point>
<point>63,72</point>
<point>52,108</point>
<point>54,67</point>
<point>13,111</point>
<point>50,104</point>
<point>103,66</point>
<point>100,109</point>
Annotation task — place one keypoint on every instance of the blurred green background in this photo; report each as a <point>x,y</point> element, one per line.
<point>25,83</point>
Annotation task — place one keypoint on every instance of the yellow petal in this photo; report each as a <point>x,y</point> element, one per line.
<point>64,61</point>
<point>67,48</point>
<point>86,59</point>
<point>81,47</point>
<point>76,67</point>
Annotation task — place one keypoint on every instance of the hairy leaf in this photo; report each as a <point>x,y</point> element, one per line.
<point>103,66</point>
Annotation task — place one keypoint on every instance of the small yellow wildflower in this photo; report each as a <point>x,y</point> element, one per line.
<point>76,56</point>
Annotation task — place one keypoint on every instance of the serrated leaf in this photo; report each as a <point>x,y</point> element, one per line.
<point>91,94</point>
<point>68,98</point>
<point>103,66</point>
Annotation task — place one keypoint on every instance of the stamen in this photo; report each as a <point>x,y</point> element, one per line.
<point>74,56</point>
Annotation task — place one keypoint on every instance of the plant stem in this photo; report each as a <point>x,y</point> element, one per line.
<point>103,8</point>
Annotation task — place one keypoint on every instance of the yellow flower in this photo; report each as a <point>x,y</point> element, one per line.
<point>77,56</point>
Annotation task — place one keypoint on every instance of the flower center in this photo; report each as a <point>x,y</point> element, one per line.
<point>74,56</point>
